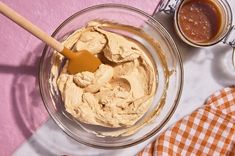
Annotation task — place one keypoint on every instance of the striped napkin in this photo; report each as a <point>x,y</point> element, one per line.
<point>209,130</point>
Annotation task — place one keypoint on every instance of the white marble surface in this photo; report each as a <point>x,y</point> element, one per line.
<point>205,71</point>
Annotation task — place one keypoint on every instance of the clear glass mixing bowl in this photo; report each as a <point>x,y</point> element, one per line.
<point>128,16</point>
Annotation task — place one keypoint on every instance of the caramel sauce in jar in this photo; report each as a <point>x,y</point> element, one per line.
<point>199,20</point>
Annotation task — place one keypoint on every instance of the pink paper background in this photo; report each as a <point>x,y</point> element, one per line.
<point>21,107</point>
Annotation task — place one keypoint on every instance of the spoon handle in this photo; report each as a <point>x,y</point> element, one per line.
<point>30,27</point>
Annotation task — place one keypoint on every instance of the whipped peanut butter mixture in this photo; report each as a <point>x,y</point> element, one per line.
<point>121,90</point>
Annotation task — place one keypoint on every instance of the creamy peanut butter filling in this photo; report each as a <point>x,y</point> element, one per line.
<point>121,91</point>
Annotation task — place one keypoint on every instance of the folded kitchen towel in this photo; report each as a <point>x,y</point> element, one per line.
<point>209,130</point>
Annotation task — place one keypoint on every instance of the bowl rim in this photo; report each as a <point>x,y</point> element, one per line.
<point>174,104</point>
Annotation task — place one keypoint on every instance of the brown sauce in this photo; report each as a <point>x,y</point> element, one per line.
<point>199,20</point>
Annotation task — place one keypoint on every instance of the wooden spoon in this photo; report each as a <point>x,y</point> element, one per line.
<point>78,61</point>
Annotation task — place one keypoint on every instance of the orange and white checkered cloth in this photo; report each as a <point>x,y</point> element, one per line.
<point>209,130</point>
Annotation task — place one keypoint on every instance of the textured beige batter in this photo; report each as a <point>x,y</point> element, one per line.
<point>121,90</point>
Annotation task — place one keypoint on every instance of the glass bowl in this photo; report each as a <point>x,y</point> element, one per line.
<point>166,101</point>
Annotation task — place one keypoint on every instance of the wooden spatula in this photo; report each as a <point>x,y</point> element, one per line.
<point>78,61</point>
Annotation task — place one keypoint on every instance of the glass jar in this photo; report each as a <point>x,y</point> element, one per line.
<point>225,35</point>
